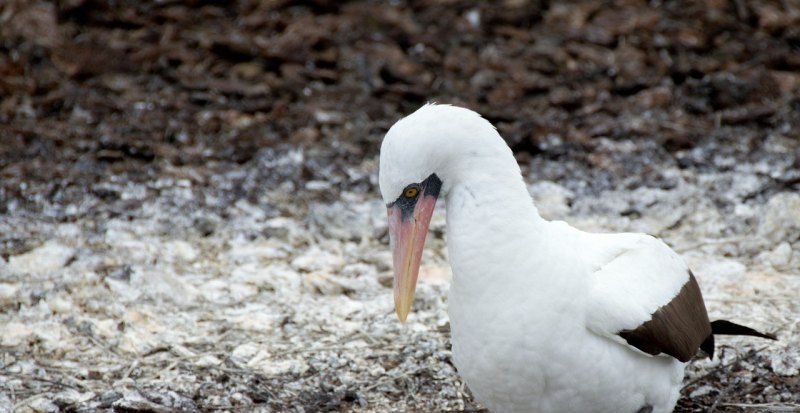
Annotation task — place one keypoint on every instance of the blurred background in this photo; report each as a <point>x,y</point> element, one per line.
<point>98,88</point>
<point>189,216</point>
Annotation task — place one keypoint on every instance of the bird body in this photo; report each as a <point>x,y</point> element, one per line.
<point>544,317</point>
<point>523,343</point>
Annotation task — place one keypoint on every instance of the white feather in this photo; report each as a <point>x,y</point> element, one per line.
<point>642,275</point>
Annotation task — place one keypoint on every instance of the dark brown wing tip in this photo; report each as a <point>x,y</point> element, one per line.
<point>708,346</point>
<point>678,328</point>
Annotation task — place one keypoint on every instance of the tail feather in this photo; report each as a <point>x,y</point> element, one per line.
<point>729,328</point>
<point>726,327</point>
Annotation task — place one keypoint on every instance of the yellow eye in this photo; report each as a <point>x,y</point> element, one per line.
<point>410,192</point>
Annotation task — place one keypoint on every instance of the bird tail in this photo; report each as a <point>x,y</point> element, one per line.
<point>726,327</point>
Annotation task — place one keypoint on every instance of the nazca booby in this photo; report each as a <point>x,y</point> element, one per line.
<point>544,317</point>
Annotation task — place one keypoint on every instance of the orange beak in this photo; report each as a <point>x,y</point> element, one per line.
<point>407,231</point>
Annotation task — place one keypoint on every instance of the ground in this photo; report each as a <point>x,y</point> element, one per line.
<point>190,218</point>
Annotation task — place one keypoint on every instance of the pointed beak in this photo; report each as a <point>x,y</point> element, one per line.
<point>408,226</point>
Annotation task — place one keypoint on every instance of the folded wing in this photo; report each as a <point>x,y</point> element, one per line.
<point>644,296</point>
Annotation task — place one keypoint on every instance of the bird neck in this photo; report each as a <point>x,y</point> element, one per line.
<point>490,218</point>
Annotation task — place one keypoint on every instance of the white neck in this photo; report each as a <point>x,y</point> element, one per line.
<point>488,204</point>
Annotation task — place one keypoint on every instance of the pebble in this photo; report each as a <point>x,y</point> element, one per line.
<point>262,250</point>
<point>49,257</point>
<point>252,316</point>
<point>244,352</point>
<point>702,391</point>
<point>59,305</point>
<point>8,294</point>
<point>164,285</point>
<point>208,361</point>
<point>180,250</point>
<point>551,199</point>
<point>787,362</point>
<point>781,256</point>
<point>71,396</point>
<point>14,333</point>
<point>240,292</point>
<point>43,405</point>
<point>5,402</point>
<point>781,220</point>
<point>279,367</point>
<point>315,259</point>
<point>323,283</point>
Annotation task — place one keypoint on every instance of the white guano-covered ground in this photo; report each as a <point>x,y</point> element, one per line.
<point>170,307</point>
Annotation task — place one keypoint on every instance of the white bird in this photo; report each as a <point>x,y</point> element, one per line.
<point>544,317</point>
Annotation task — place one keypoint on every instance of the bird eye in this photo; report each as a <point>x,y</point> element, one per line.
<point>411,192</point>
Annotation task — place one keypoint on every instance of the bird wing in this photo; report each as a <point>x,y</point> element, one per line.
<point>643,295</point>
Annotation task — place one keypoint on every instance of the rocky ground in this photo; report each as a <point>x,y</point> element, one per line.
<point>190,220</point>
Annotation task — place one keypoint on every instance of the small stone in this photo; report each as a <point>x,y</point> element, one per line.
<point>43,405</point>
<point>282,367</point>
<point>306,135</point>
<point>14,334</point>
<point>656,97</point>
<point>702,391</point>
<point>781,220</point>
<point>244,353</point>
<point>328,117</point>
<point>318,185</point>
<point>787,362</point>
<point>59,305</point>
<point>322,283</point>
<point>552,200</point>
<point>781,256</point>
<point>5,403</point>
<point>134,401</point>
<point>254,320</point>
<point>239,292</point>
<point>473,16</point>
<point>208,361</point>
<point>315,259</point>
<point>8,294</point>
<point>247,70</point>
<point>49,257</point>
<point>206,226</point>
<point>181,250</point>
<point>182,351</point>
<point>71,396</point>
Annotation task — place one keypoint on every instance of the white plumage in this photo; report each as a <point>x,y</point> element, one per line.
<point>536,307</point>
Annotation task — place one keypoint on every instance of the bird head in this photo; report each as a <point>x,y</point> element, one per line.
<point>422,156</point>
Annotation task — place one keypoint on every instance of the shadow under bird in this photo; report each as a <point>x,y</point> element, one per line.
<point>544,317</point>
